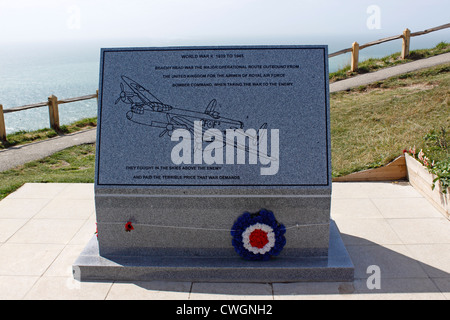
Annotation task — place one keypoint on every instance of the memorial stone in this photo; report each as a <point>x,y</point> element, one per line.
<point>209,158</point>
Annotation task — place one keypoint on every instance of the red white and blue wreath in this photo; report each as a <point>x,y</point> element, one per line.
<point>258,236</point>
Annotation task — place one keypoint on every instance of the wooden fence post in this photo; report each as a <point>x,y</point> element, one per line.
<point>53,112</point>
<point>406,42</point>
<point>355,56</point>
<point>2,126</point>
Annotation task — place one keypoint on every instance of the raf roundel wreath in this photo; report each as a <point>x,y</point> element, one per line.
<point>258,236</point>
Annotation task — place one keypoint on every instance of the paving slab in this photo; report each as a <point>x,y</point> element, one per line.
<point>231,291</point>
<point>150,290</point>
<point>411,248</point>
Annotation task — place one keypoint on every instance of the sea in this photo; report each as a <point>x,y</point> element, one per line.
<point>31,72</point>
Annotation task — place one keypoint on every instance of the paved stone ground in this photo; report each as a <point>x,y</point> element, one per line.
<point>44,227</point>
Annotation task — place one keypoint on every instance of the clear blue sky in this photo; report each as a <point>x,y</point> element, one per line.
<point>171,20</point>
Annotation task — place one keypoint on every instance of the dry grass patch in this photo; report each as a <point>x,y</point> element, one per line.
<point>370,126</point>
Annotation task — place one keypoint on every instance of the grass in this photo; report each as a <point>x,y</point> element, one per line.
<point>74,165</point>
<point>371,65</point>
<point>371,125</point>
<point>23,137</point>
<point>436,144</point>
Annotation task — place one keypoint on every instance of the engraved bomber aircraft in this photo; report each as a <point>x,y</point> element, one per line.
<point>148,110</point>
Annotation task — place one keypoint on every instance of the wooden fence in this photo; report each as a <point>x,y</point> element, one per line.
<point>406,36</point>
<point>53,111</point>
<point>53,101</point>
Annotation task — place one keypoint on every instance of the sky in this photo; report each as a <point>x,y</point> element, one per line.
<point>174,21</point>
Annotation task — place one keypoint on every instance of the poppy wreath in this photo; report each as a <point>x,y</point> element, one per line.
<point>258,236</point>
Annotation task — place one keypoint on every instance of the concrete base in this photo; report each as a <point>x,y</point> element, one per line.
<point>187,210</point>
<point>336,267</point>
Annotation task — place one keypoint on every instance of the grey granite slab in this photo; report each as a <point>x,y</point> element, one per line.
<point>147,94</point>
<point>201,226</point>
<point>336,266</point>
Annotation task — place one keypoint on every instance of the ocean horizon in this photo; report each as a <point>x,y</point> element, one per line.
<point>30,73</point>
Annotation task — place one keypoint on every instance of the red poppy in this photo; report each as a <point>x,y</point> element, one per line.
<point>258,238</point>
<point>128,226</point>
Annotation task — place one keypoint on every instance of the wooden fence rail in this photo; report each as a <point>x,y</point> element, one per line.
<point>406,36</point>
<point>53,111</point>
<point>53,101</point>
<point>2,126</point>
